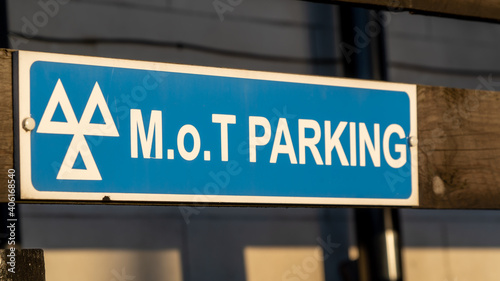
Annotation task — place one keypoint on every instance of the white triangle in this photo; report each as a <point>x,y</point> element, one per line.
<point>96,99</point>
<point>78,130</point>
<point>60,97</point>
<point>78,146</point>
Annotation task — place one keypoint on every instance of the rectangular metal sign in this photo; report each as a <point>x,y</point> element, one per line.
<point>108,129</point>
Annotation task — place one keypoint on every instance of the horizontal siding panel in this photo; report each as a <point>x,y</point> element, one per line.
<point>73,21</point>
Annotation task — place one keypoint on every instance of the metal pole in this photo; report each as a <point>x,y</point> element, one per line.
<point>363,49</point>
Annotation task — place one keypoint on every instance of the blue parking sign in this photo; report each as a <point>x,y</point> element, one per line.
<point>122,130</point>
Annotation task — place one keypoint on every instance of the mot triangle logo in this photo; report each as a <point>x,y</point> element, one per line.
<point>79,130</point>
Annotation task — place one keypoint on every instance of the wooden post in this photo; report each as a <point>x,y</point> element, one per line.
<point>26,264</point>
<point>6,121</point>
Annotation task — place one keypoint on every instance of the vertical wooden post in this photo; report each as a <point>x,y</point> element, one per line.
<point>6,121</point>
<point>22,265</point>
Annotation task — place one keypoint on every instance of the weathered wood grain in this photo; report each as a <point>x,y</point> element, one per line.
<point>29,265</point>
<point>484,10</point>
<point>6,123</point>
<point>459,148</point>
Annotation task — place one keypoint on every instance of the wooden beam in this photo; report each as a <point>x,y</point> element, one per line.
<point>485,10</point>
<point>459,144</point>
<point>459,148</point>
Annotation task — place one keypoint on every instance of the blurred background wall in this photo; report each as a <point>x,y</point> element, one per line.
<point>157,243</point>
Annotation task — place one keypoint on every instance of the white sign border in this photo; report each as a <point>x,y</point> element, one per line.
<point>24,59</point>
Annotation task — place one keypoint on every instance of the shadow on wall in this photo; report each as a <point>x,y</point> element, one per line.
<point>155,243</point>
<point>451,228</point>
